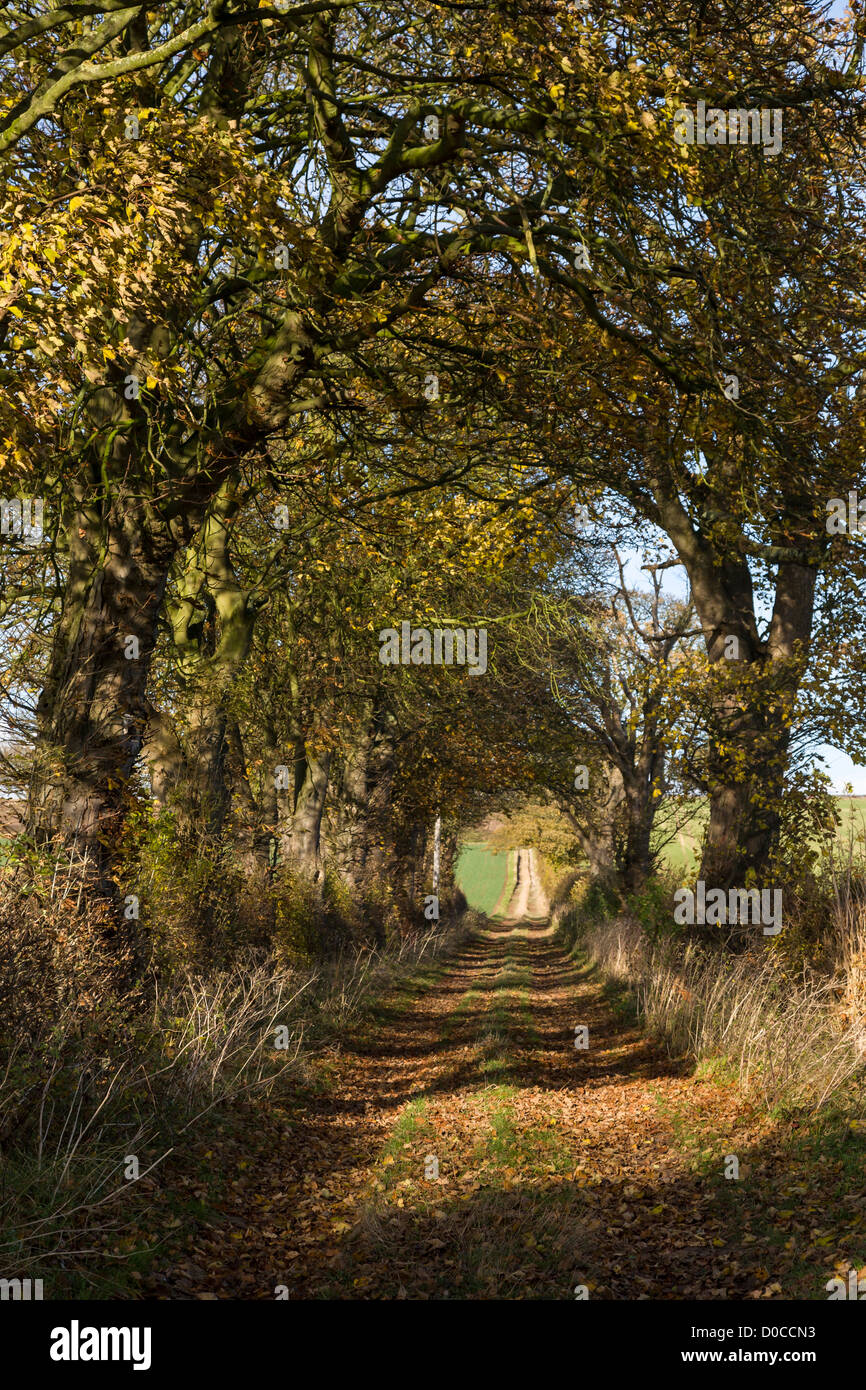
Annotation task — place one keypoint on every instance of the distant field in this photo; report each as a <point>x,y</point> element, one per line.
<point>852,809</point>
<point>485,877</point>
<point>682,852</point>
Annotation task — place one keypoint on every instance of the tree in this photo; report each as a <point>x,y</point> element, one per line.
<point>209,217</point>
<point>708,362</point>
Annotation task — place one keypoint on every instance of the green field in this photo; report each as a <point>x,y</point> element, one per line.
<point>485,877</point>
<point>682,851</point>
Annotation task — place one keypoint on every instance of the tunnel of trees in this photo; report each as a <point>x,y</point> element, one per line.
<point>404,431</point>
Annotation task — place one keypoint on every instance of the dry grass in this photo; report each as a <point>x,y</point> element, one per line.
<point>73,1117</point>
<point>348,980</point>
<point>795,1039</point>
<point>91,1075</point>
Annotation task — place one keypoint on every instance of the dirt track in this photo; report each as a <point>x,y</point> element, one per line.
<point>528,902</point>
<point>459,1146</point>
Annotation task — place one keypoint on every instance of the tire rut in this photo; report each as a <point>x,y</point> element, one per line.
<point>459,1145</point>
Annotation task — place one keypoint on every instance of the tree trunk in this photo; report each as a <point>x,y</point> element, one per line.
<point>92,712</point>
<point>750,737</point>
<point>252,833</point>
<point>643,788</point>
<point>744,818</point>
<point>348,821</point>
<point>380,779</point>
<point>749,718</point>
<point>212,622</point>
<point>164,756</point>
<point>597,833</point>
<point>636,859</point>
<point>437,850</point>
<point>312,789</point>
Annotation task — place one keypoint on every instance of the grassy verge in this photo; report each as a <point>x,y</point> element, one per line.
<point>91,1112</point>
<point>782,1141</point>
<point>795,1038</point>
